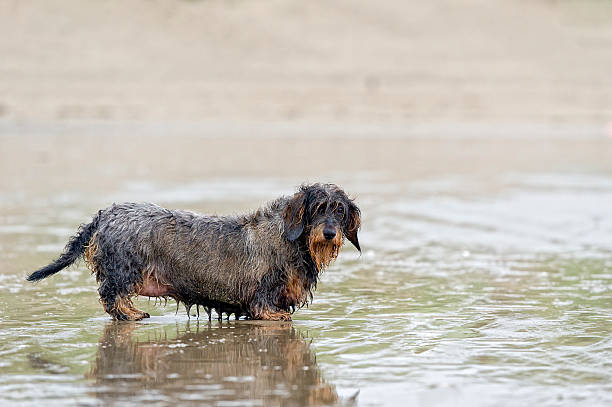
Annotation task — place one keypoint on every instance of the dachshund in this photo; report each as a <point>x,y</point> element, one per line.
<point>261,265</point>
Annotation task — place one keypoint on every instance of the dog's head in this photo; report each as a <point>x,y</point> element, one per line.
<point>323,214</point>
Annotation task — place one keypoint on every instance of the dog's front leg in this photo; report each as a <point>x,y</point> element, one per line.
<point>265,303</point>
<point>262,309</point>
<point>269,315</point>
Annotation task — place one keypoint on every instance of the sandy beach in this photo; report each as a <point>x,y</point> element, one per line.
<point>341,61</point>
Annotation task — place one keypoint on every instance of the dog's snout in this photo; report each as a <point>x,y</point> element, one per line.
<point>329,233</point>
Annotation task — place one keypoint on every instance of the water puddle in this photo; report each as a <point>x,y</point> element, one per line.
<point>472,289</point>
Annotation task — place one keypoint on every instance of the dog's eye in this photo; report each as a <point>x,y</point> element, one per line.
<point>340,210</point>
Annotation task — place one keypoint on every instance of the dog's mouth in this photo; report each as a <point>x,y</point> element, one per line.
<point>323,250</point>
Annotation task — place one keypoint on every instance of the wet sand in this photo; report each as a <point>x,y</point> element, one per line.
<point>81,157</point>
<point>347,60</point>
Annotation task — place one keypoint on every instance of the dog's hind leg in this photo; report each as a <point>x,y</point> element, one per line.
<point>123,309</point>
<point>119,282</point>
<point>118,303</point>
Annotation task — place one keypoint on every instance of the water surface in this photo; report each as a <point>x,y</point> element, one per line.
<point>485,278</point>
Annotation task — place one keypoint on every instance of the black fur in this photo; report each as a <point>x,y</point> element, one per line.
<point>73,250</point>
<point>261,264</point>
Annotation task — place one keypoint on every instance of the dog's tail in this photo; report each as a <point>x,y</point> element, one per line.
<point>74,249</point>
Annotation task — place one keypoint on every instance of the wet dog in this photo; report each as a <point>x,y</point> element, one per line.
<point>262,265</point>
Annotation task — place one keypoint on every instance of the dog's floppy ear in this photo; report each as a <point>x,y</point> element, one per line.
<point>352,225</point>
<point>293,215</point>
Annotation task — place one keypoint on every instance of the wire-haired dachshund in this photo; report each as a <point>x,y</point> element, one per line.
<point>262,265</point>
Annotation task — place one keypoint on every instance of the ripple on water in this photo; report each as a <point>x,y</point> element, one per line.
<point>494,298</point>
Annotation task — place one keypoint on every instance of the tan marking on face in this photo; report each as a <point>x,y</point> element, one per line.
<point>323,251</point>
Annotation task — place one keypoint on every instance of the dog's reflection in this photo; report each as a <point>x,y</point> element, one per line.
<point>208,364</point>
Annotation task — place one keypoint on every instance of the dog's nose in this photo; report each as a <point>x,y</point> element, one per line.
<point>329,233</point>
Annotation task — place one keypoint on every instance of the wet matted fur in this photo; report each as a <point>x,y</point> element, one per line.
<point>262,265</point>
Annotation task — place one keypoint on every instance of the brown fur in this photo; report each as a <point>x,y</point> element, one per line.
<point>295,290</point>
<point>125,306</point>
<point>262,265</point>
<point>90,253</point>
<point>323,251</point>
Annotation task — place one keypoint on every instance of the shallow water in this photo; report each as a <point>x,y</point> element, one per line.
<point>482,282</point>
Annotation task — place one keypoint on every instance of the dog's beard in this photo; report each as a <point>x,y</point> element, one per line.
<point>323,251</point>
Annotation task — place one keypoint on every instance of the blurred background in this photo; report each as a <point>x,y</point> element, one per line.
<point>476,137</point>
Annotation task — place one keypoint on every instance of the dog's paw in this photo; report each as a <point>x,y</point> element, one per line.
<point>275,316</point>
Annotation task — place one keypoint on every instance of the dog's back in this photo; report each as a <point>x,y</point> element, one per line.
<point>202,258</point>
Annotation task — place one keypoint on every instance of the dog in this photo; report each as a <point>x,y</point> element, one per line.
<point>262,265</point>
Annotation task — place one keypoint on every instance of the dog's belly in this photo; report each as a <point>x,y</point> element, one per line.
<point>153,288</point>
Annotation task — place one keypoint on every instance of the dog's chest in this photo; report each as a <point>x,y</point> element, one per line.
<point>295,291</point>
